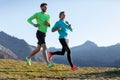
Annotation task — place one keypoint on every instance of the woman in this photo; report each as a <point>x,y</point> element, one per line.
<point>62,26</point>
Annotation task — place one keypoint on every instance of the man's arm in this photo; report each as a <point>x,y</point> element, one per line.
<point>47,23</point>
<point>30,20</point>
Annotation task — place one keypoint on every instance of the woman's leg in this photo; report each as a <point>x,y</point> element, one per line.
<point>62,52</point>
<point>64,48</point>
<point>68,52</point>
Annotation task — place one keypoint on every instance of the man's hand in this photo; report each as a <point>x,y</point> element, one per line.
<point>36,25</point>
<point>47,24</point>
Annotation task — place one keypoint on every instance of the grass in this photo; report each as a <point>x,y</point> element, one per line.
<point>18,70</point>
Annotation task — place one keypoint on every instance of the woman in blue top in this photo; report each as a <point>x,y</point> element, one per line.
<point>62,27</point>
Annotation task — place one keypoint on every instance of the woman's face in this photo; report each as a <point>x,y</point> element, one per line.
<point>62,16</point>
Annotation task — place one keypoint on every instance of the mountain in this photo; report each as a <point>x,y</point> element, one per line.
<point>99,56</point>
<point>6,53</point>
<point>87,54</point>
<point>18,46</point>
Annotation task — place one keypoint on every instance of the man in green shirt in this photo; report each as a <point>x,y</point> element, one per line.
<point>43,22</point>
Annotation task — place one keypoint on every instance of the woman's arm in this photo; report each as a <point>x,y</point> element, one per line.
<point>57,29</point>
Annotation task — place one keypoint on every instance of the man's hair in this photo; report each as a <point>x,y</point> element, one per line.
<point>61,13</point>
<point>43,4</point>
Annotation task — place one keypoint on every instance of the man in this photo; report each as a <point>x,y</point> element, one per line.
<point>43,22</point>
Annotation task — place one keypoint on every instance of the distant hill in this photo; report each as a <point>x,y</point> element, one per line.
<point>87,54</point>
<point>6,53</point>
<point>17,46</point>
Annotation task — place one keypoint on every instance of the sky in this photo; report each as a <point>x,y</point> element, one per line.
<point>94,20</point>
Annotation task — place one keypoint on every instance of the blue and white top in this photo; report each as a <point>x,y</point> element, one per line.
<point>63,32</point>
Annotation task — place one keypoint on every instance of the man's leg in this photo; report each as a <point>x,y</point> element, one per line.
<point>34,52</point>
<point>49,64</point>
<point>44,53</point>
<point>28,59</point>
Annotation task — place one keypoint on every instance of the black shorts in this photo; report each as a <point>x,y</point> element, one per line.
<point>41,37</point>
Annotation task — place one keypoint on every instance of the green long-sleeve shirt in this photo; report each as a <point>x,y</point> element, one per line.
<point>40,18</point>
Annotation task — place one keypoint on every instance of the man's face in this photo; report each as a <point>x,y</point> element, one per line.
<point>44,8</point>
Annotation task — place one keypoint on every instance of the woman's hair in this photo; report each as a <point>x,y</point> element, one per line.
<point>62,12</point>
